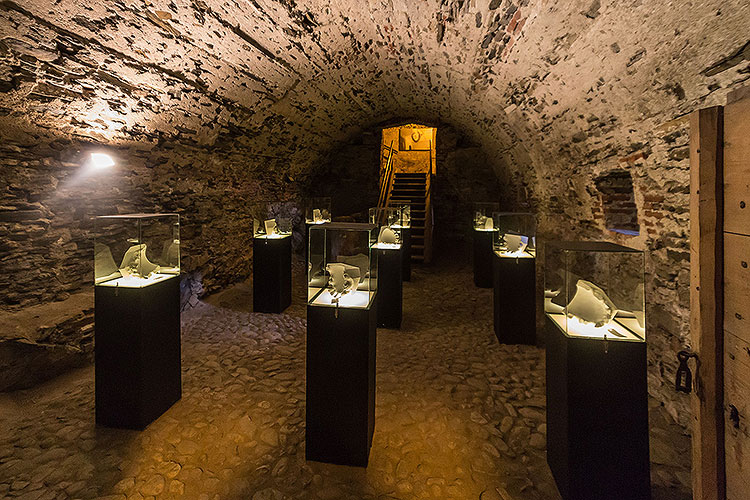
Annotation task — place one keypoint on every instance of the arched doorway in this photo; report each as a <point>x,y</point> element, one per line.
<point>407,166</point>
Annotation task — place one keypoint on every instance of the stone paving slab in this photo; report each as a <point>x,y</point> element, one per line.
<point>458,416</point>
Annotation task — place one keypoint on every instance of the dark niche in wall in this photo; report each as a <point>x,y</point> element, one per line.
<point>618,206</point>
<point>349,177</point>
<point>464,176</point>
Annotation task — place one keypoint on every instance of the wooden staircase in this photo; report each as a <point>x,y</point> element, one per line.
<point>407,166</point>
<point>414,188</point>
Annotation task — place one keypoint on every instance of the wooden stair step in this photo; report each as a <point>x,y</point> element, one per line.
<point>411,188</point>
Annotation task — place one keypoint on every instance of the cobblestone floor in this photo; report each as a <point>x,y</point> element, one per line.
<point>458,416</point>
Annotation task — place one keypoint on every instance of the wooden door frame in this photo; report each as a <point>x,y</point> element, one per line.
<point>706,301</point>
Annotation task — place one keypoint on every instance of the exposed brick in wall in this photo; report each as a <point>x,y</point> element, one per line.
<point>215,100</point>
<point>617,208</point>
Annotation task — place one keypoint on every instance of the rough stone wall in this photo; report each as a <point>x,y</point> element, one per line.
<point>463,179</point>
<point>557,94</point>
<point>47,224</point>
<point>350,176</point>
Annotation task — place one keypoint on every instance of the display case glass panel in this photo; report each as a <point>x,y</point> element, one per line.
<point>483,215</point>
<point>595,290</point>
<point>403,214</point>
<point>318,211</point>
<point>341,269</point>
<point>136,250</point>
<point>389,229</point>
<point>272,219</point>
<point>515,235</point>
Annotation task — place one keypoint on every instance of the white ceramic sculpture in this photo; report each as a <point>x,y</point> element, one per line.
<point>406,216</point>
<point>479,220</point>
<point>104,264</point>
<point>591,305</point>
<point>488,223</point>
<point>135,262</point>
<point>360,260</point>
<point>387,235</point>
<point>317,216</point>
<point>343,279</point>
<point>270,227</point>
<point>515,243</point>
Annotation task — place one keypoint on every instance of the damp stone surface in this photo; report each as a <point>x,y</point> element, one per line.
<point>458,416</point>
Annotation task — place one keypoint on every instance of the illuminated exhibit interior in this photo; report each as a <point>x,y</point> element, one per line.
<point>515,235</point>
<point>148,243</point>
<point>595,290</point>
<point>272,220</point>
<point>154,153</point>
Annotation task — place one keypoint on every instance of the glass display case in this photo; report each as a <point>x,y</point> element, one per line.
<point>272,255</point>
<point>389,228</point>
<point>515,235</point>
<point>272,219</point>
<point>341,269</point>
<point>404,223</point>
<point>514,277</point>
<point>137,337</point>
<point>403,214</point>
<point>596,371</point>
<point>136,250</point>
<point>595,290</point>
<point>483,215</point>
<point>318,211</point>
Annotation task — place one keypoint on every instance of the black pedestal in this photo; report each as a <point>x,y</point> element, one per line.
<point>406,252</point>
<point>597,417</point>
<point>137,353</point>
<point>515,299</point>
<point>390,288</point>
<point>483,255</point>
<point>272,274</point>
<point>340,384</point>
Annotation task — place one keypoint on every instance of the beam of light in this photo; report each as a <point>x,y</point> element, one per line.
<point>97,164</point>
<point>100,161</point>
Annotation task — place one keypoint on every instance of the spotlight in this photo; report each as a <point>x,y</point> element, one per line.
<point>101,160</point>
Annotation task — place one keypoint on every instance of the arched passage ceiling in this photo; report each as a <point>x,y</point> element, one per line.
<point>532,80</point>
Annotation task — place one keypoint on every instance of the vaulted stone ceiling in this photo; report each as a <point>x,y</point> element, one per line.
<point>284,78</point>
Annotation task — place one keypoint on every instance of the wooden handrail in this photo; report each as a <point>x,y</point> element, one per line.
<point>428,213</point>
<point>386,178</point>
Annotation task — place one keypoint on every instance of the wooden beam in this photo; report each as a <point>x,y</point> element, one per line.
<point>736,159</point>
<point>706,301</point>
